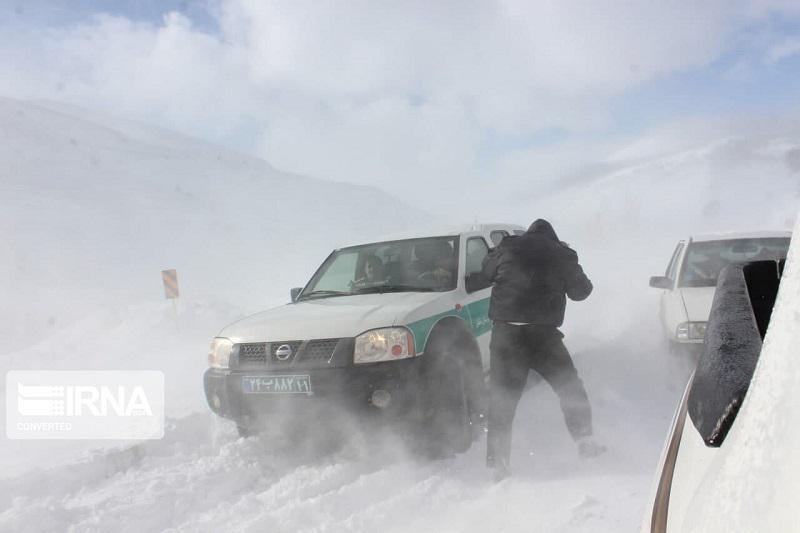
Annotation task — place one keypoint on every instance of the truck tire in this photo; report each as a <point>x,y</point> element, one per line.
<point>452,401</point>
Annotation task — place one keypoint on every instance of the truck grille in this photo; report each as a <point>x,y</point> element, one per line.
<point>319,350</point>
<point>253,352</point>
<point>285,353</point>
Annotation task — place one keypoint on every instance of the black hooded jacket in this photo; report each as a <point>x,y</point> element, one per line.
<point>532,275</point>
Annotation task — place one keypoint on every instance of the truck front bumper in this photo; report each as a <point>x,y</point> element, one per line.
<point>347,389</point>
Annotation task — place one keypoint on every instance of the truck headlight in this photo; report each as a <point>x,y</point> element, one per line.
<point>691,330</point>
<point>384,344</point>
<point>219,354</point>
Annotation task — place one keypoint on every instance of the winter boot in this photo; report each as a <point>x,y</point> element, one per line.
<point>588,448</point>
<point>500,469</point>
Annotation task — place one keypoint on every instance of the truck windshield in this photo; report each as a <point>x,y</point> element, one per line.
<point>705,260</point>
<point>412,265</point>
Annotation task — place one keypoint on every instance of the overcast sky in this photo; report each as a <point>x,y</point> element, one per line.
<point>435,95</point>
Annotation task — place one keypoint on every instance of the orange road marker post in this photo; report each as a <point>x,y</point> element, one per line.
<point>171,291</point>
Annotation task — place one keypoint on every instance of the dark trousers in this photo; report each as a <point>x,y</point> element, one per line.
<point>514,351</point>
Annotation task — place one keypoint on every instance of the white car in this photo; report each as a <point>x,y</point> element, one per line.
<point>396,329</point>
<point>691,276</point>
<point>713,431</point>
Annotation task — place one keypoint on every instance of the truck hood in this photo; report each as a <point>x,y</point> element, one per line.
<point>697,301</point>
<point>326,318</point>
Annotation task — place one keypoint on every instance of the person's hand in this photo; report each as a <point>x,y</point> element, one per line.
<point>425,276</point>
<point>438,275</point>
<point>442,275</point>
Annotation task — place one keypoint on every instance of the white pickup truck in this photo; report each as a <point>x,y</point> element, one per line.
<point>395,329</point>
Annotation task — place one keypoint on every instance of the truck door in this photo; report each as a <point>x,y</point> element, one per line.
<point>477,301</point>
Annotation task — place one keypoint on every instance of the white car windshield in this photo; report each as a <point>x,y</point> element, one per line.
<point>428,264</point>
<point>705,260</point>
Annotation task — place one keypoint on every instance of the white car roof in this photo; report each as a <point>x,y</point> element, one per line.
<point>438,232</point>
<point>741,235</point>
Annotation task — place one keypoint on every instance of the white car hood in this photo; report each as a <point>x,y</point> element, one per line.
<point>325,318</point>
<point>697,301</point>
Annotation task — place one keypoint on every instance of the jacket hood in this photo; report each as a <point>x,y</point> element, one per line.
<point>543,227</point>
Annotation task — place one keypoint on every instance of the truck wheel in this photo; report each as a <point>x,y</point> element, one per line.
<point>445,426</point>
<point>477,391</point>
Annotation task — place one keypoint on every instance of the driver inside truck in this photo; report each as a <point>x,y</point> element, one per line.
<point>435,263</point>
<point>373,273</point>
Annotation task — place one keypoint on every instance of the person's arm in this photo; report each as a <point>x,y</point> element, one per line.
<point>579,287</point>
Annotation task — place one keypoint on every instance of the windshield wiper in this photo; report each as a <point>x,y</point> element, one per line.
<point>322,293</point>
<point>392,288</point>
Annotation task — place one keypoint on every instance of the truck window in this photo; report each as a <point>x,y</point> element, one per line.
<point>477,249</point>
<point>497,236</point>
<point>425,264</point>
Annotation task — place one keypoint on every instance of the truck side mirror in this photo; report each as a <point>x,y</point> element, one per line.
<point>660,282</point>
<point>295,292</point>
<point>476,281</point>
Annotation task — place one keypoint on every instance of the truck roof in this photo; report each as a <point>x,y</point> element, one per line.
<point>443,231</point>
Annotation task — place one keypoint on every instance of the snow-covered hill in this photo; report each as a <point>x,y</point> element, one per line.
<point>92,208</point>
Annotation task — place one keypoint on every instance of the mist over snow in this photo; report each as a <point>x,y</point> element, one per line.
<point>625,212</point>
<point>93,208</point>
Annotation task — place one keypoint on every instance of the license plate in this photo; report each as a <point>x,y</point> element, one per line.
<point>283,384</point>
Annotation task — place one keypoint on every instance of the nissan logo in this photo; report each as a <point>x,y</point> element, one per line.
<point>283,352</point>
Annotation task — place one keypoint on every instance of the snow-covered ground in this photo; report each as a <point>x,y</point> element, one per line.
<point>201,476</point>
<point>92,208</point>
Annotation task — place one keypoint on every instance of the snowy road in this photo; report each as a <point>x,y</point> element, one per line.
<point>192,481</point>
<point>202,477</point>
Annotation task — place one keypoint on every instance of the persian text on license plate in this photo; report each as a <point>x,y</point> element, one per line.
<point>284,384</point>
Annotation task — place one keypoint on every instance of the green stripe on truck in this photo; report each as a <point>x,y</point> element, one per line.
<point>475,315</point>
